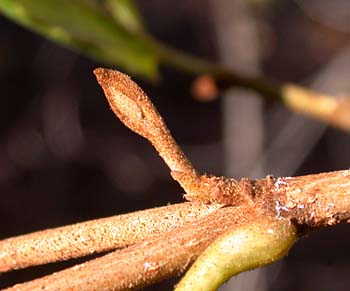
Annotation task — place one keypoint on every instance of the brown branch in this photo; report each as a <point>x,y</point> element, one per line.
<point>95,236</point>
<point>167,240</point>
<point>314,201</point>
<point>145,263</point>
<point>311,202</point>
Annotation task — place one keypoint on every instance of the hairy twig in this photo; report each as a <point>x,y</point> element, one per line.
<point>95,236</point>
<point>134,109</point>
<point>165,241</point>
<point>132,106</point>
<point>145,263</point>
<point>312,201</point>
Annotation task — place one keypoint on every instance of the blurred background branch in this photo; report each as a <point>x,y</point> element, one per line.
<point>112,32</point>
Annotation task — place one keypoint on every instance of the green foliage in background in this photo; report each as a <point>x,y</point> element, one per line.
<point>110,31</point>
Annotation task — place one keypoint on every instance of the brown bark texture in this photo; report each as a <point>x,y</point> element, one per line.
<point>310,202</point>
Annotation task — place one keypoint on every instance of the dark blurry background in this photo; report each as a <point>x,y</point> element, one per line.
<point>65,158</point>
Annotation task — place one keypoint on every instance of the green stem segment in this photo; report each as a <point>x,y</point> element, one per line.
<point>224,78</point>
<point>112,32</point>
<point>253,245</point>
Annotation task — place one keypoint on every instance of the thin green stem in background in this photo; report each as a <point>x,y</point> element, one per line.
<point>112,32</point>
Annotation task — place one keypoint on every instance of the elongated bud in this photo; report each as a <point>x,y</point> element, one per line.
<point>136,111</point>
<point>130,103</point>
